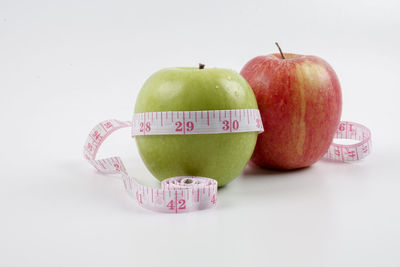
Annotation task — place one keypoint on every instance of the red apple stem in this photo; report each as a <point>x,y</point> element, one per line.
<point>280,50</point>
<point>201,66</point>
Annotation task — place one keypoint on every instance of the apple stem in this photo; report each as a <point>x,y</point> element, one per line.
<point>188,181</point>
<point>280,50</point>
<point>201,66</point>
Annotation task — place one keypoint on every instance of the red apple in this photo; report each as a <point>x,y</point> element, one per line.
<point>300,101</point>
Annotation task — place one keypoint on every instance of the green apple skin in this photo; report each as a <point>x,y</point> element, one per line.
<point>218,156</point>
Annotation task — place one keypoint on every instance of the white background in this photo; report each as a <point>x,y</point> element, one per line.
<point>66,65</point>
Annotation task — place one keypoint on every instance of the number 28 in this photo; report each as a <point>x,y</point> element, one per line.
<point>145,127</point>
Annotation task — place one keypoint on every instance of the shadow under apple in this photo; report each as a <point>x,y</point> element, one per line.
<point>254,170</point>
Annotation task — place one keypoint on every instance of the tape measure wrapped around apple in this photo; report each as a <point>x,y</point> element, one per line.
<point>199,126</point>
<point>190,122</point>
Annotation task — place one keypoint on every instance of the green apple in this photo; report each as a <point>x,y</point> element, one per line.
<point>219,156</point>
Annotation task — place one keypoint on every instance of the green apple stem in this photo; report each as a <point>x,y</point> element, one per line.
<point>280,50</point>
<point>201,66</point>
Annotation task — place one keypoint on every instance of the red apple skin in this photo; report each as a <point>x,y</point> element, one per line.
<point>300,101</point>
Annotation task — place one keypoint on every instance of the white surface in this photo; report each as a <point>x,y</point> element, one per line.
<point>64,66</point>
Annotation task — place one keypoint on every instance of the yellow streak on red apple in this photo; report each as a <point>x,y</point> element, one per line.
<point>305,71</point>
<point>300,121</point>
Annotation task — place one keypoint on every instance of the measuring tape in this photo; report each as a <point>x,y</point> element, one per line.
<point>353,152</point>
<point>177,194</point>
<point>197,122</point>
<point>190,193</point>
